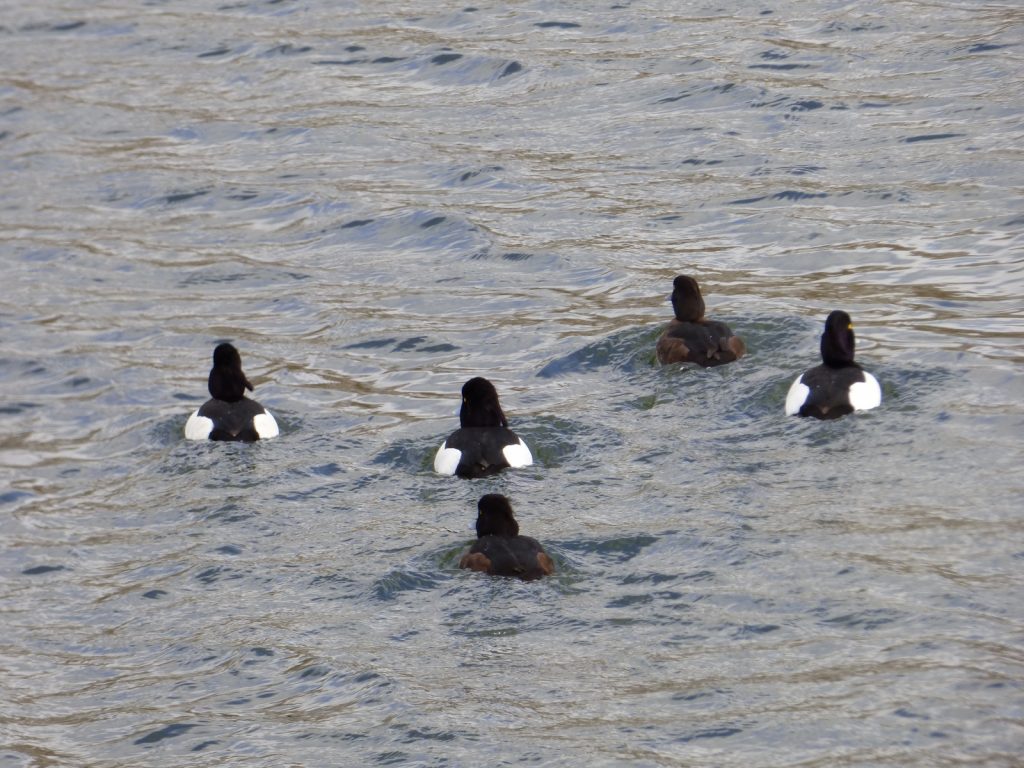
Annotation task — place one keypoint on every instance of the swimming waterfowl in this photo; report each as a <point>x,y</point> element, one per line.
<point>690,337</point>
<point>839,385</point>
<point>499,549</point>
<point>229,414</point>
<point>483,444</point>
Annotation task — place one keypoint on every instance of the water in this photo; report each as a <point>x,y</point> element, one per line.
<point>376,202</point>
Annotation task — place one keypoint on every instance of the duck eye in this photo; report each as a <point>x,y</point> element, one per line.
<point>849,327</point>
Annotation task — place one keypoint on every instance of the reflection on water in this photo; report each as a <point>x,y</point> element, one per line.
<point>377,203</point>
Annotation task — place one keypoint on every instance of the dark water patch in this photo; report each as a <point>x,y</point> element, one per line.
<point>356,223</point>
<point>627,351</point>
<point>984,47</point>
<point>868,619</point>
<point>221,51</point>
<point>14,497</point>
<point>397,582</point>
<point>15,408</point>
<point>776,101</point>
<point>718,94</point>
<point>510,69</point>
<point>415,455</point>
<point>748,630</point>
<point>337,62</point>
<point>841,27</point>
<point>217,573</point>
<point>180,197</point>
<point>327,470</point>
<point>228,549</point>
<point>780,67</point>
<point>903,712</point>
<point>68,26</point>
<point>335,586</point>
<point>910,389</point>
<point>38,570</point>
<point>788,195</point>
<point>228,513</point>
<point>416,231</point>
<point>619,549</point>
<point>795,195</point>
<point>287,49</point>
<point>650,578</point>
<point>537,263</point>
<point>204,744</point>
<point>557,25</point>
<point>899,196</point>
<point>445,58</point>
<point>372,343</point>
<point>711,733</point>
<point>12,368</point>
<point>628,601</point>
<point>413,343</point>
<point>458,69</point>
<point>408,344</point>
<point>416,735</point>
<point>804,170</point>
<point>697,695</point>
<point>930,137</point>
<point>154,594</point>
<point>219,274</point>
<point>807,105</point>
<point>168,732</point>
<point>388,59</point>
<point>314,672</point>
<point>474,177</point>
<point>796,170</point>
<point>393,757</point>
<point>557,441</point>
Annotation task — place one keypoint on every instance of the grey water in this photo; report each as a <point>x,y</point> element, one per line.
<point>377,201</point>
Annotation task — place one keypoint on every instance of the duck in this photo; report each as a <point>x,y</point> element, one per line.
<point>483,444</point>
<point>690,337</point>
<point>499,549</point>
<point>839,385</point>
<point>229,414</point>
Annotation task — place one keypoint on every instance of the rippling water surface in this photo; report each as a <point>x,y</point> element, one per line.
<point>376,201</point>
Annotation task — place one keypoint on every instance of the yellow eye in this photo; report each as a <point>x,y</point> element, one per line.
<point>849,327</point>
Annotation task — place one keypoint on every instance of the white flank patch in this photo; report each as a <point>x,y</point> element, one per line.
<point>518,455</point>
<point>265,425</point>
<point>866,394</point>
<point>447,459</point>
<point>797,396</point>
<point>198,427</point>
